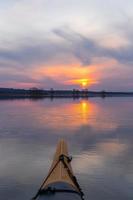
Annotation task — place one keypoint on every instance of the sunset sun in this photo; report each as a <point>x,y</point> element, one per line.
<point>84,83</point>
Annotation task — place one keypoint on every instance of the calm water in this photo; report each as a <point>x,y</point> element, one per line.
<point>100,137</point>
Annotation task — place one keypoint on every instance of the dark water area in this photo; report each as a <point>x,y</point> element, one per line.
<point>99,133</point>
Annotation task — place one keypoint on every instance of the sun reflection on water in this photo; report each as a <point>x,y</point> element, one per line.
<point>72,115</point>
<point>68,115</point>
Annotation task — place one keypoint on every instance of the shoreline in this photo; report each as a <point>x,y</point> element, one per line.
<point>39,93</point>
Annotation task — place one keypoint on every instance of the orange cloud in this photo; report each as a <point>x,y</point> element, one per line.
<point>68,74</point>
<point>76,74</point>
<point>63,72</point>
<point>83,82</point>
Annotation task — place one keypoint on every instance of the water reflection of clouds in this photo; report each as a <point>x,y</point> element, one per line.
<point>62,115</point>
<point>72,116</point>
<point>99,133</point>
<point>21,159</point>
<point>87,163</point>
<point>112,148</point>
<point>92,161</point>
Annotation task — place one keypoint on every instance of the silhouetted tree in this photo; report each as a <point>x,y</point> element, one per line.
<point>103,94</point>
<point>35,92</point>
<point>51,92</point>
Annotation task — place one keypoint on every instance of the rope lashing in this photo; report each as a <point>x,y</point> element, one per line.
<point>73,178</point>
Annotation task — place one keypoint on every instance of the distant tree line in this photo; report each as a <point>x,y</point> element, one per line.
<point>35,92</point>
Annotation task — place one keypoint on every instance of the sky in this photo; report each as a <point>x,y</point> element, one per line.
<point>66,44</point>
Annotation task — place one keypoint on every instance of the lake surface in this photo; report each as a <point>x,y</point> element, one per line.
<point>100,138</point>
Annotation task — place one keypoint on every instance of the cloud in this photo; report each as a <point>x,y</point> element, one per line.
<point>16,78</point>
<point>70,44</point>
<point>65,49</point>
<point>31,53</point>
<point>77,33</point>
<point>85,49</point>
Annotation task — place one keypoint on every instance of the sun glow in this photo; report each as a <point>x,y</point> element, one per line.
<point>84,82</point>
<point>79,76</point>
